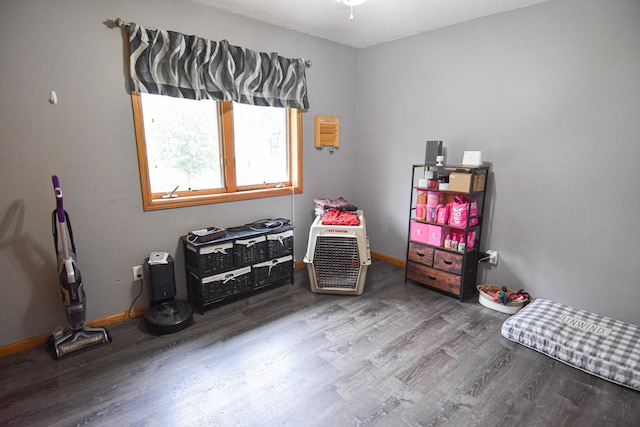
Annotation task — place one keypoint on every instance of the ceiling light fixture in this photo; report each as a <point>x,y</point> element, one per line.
<point>351,3</point>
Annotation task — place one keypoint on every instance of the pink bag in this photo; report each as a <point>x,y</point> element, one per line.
<point>460,212</point>
<point>442,213</point>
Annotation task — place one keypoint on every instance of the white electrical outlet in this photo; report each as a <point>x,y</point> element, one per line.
<point>493,257</point>
<point>138,273</point>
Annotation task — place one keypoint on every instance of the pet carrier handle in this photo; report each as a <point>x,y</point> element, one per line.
<point>58,191</point>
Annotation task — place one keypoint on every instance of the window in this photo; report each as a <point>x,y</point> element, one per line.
<point>200,152</point>
<point>260,142</point>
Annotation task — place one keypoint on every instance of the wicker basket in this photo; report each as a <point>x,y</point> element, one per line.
<point>486,293</point>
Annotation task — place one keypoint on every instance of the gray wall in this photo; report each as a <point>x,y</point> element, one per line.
<point>87,139</point>
<point>551,95</point>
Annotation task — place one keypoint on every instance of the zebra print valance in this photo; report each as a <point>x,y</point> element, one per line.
<point>169,63</point>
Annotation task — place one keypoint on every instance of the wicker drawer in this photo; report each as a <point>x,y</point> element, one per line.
<point>280,244</point>
<point>420,253</point>
<point>448,261</point>
<point>214,288</point>
<point>249,251</point>
<point>434,278</point>
<point>211,258</point>
<point>272,271</point>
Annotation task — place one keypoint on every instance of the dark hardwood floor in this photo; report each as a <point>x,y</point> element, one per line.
<point>399,355</point>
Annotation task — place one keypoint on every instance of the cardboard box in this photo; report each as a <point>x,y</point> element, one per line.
<point>460,182</point>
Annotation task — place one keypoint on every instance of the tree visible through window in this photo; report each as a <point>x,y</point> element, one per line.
<point>195,152</point>
<point>183,147</point>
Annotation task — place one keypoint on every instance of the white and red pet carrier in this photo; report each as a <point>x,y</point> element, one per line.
<point>337,257</point>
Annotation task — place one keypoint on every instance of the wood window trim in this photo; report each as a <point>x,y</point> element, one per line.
<point>151,202</point>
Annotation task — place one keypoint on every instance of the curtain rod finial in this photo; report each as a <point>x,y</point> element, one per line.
<point>120,23</point>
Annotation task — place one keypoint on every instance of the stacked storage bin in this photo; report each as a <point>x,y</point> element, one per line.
<point>237,264</point>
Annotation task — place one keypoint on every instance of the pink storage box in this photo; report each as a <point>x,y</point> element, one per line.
<point>436,235</point>
<point>419,232</point>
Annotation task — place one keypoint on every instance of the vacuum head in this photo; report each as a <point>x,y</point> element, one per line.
<point>66,344</point>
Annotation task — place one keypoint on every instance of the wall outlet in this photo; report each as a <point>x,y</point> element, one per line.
<point>493,257</point>
<point>138,273</point>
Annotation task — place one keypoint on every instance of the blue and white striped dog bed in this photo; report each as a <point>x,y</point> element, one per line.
<point>599,345</point>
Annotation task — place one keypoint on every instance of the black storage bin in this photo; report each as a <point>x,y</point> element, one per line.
<point>213,288</point>
<point>272,271</point>
<point>250,251</point>
<point>211,258</point>
<point>280,244</point>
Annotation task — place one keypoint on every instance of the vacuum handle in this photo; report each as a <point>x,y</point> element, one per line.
<point>58,192</point>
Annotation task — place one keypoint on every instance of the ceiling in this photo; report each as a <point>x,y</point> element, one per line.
<point>375,21</point>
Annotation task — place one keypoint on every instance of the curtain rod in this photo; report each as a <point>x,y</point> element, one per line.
<point>122,24</point>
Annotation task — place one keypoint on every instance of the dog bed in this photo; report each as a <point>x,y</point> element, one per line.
<point>598,345</point>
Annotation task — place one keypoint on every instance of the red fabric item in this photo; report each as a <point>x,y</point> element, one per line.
<point>336,217</point>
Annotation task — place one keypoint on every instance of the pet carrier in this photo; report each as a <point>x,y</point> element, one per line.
<point>337,257</point>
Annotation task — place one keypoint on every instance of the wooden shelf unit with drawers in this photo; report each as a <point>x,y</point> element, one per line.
<point>429,262</point>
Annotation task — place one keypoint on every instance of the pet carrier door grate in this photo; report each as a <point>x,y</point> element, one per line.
<point>337,263</point>
<point>337,258</point>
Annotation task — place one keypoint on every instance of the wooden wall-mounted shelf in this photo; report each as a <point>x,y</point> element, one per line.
<point>327,132</point>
